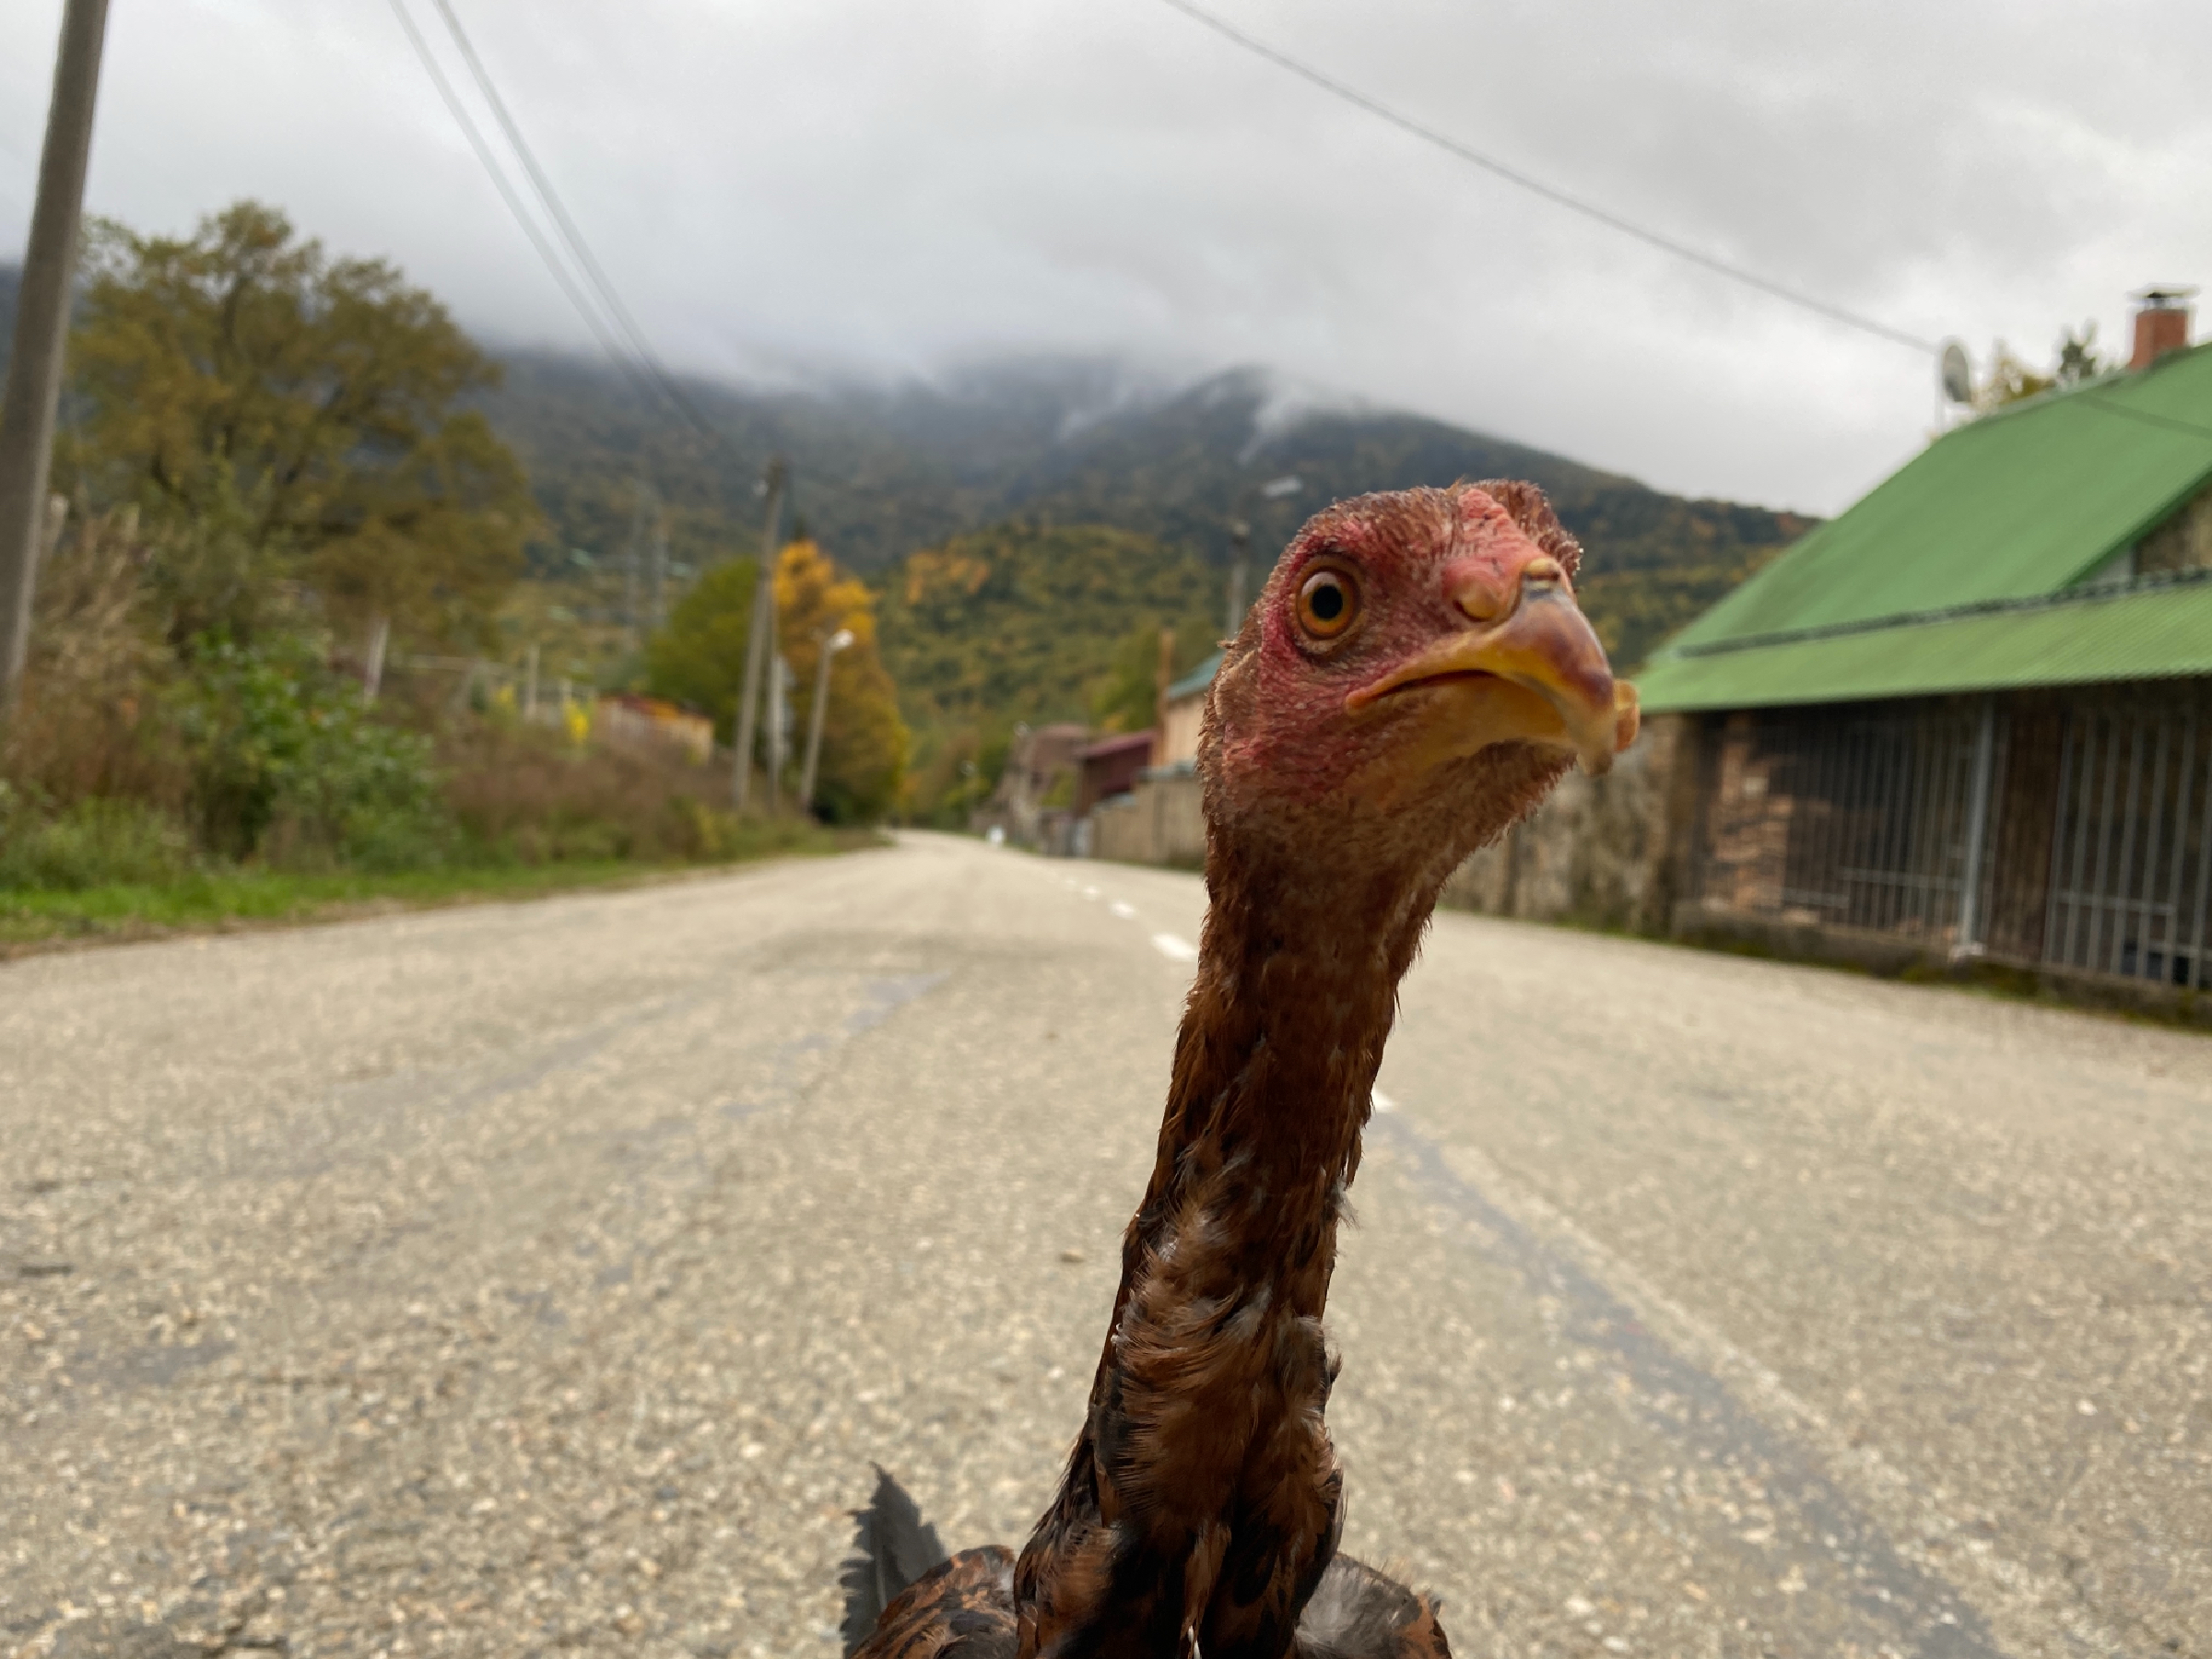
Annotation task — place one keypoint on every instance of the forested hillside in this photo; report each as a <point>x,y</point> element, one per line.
<point>881,473</point>
<point>1029,525</point>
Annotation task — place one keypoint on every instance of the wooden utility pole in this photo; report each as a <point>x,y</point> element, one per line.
<point>760,642</point>
<point>34,372</point>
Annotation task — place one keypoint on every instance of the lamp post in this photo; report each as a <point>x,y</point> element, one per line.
<point>831,643</point>
<point>1239,542</point>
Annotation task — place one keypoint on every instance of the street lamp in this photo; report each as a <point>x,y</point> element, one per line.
<point>1239,541</point>
<point>831,643</point>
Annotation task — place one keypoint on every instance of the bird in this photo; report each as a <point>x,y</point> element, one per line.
<point>1414,677</point>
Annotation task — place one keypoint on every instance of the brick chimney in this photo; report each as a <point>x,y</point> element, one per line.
<point>2161,324</point>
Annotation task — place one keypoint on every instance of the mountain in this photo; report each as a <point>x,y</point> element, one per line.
<point>880,473</point>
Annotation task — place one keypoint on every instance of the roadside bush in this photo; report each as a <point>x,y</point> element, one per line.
<point>287,764</point>
<point>525,793</point>
<point>84,726</point>
<point>92,842</point>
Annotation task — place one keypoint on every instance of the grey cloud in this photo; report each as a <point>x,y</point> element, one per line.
<point>889,186</point>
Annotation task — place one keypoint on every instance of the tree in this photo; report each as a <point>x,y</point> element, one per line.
<point>1126,697</point>
<point>314,407</point>
<point>864,740</point>
<point>698,657</point>
<point>2011,380</point>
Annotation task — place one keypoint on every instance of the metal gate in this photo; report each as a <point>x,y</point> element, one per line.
<point>2130,858</point>
<point>1858,817</point>
<point>2068,830</point>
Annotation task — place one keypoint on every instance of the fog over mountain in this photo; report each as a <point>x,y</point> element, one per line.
<point>789,193</point>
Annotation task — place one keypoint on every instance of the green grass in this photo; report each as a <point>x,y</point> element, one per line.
<point>225,899</point>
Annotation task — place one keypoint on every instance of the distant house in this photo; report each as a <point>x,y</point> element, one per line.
<point>1111,767</point>
<point>1036,793</point>
<point>1972,717</point>
<point>1182,707</point>
<point>629,720</point>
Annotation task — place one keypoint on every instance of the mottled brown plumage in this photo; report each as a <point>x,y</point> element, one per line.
<point>1356,749</point>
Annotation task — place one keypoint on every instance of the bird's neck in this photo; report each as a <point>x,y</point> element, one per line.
<point>1202,1497</point>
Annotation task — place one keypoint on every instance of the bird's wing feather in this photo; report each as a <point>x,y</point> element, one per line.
<point>1358,1613</point>
<point>962,1609</point>
<point>892,1547</point>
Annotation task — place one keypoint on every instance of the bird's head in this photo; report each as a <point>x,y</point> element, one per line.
<point>1414,676</point>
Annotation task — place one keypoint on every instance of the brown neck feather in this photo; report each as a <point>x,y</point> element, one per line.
<point>1202,1499</point>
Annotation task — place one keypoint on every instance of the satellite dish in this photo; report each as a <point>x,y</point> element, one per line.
<point>1958,374</point>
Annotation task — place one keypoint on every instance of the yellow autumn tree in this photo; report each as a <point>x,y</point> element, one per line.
<point>864,741</point>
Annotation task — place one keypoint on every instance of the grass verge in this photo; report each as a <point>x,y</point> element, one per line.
<point>231,899</point>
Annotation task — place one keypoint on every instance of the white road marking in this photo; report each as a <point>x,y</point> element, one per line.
<point>1173,948</point>
<point>1124,911</point>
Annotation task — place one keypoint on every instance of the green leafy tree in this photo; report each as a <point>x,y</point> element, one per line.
<point>698,657</point>
<point>1126,697</point>
<point>313,410</point>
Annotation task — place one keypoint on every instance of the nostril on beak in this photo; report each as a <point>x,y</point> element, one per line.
<point>1485,594</point>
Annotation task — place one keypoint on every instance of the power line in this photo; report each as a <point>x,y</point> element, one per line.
<point>570,235</point>
<point>507,193</point>
<point>1551,192</point>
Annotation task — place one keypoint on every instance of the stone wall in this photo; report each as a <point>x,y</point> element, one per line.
<point>1160,822</point>
<point>1600,850</point>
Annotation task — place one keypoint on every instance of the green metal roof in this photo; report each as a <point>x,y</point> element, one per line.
<point>2018,506</point>
<point>2013,506</point>
<point>2151,631</point>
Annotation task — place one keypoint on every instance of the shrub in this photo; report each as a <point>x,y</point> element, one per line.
<point>286,762</point>
<point>91,842</point>
<point>526,794</point>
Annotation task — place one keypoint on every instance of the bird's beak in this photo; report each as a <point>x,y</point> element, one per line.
<point>1537,675</point>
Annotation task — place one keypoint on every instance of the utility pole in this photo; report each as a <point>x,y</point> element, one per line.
<point>760,641</point>
<point>34,372</point>
<point>829,645</point>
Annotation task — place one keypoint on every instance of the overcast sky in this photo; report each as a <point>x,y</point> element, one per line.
<point>891,185</point>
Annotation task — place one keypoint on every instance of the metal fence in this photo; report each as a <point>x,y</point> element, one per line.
<point>2067,830</point>
<point>2131,863</point>
<point>1855,817</point>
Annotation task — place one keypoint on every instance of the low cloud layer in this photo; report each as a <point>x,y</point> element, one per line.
<point>893,186</point>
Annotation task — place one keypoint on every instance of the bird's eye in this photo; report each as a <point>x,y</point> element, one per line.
<point>1326,604</point>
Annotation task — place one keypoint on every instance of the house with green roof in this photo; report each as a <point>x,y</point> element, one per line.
<point>1972,715</point>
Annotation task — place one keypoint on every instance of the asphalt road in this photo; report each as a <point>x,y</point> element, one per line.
<point>543,1278</point>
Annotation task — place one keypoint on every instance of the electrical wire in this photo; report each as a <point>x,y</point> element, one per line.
<point>1551,192</point>
<point>566,225</point>
<point>531,228</point>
